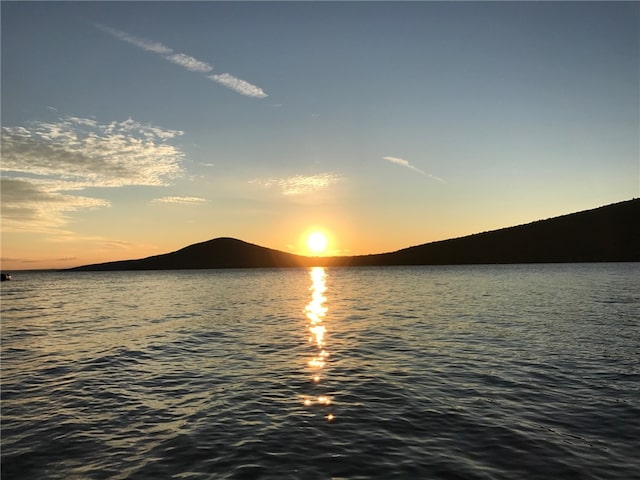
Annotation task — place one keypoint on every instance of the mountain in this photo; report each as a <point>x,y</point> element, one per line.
<point>216,253</point>
<point>606,234</point>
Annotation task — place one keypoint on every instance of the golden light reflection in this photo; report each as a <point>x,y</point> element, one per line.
<point>319,400</point>
<point>316,312</point>
<point>316,363</point>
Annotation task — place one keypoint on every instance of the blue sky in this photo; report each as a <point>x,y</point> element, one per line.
<point>131,129</point>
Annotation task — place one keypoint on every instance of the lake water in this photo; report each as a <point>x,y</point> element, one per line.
<point>465,372</point>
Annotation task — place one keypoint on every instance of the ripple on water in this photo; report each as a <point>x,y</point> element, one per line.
<point>447,373</point>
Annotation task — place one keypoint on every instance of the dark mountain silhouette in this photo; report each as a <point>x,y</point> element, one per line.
<point>606,234</point>
<point>216,253</point>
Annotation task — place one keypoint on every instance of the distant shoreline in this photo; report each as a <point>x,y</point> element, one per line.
<point>73,269</point>
<point>606,234</point>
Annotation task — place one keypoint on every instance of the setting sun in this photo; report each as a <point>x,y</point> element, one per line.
<point>317,242</point>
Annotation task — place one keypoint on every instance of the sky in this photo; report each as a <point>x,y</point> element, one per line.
<point>133,129</point>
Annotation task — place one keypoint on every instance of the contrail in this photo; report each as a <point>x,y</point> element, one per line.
<point>188,62</point>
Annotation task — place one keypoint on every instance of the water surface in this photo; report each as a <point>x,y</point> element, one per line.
<point>466,372</point>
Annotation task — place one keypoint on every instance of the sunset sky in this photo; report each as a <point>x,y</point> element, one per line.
<point>132,129</point>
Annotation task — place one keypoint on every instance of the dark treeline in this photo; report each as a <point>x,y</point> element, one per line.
<point>606,234</point>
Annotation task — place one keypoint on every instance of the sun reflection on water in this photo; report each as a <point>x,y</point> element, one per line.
<point>316,312</point>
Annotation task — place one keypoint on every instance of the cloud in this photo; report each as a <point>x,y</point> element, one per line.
<point>237,85</point>
<point>15,260</point>
<point>90,154</point>
<point>146,45</point>
<point>42,163</point>
<point>179,200</point>
<point>299,184</point>
<point>36,205</point>
<point>405,163</point>
<point>190,63</point>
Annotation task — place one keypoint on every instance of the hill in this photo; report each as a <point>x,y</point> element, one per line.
<point>606,234</point>
<point>216,253</point>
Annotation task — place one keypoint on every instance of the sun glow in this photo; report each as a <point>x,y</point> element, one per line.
<point>317,242</point>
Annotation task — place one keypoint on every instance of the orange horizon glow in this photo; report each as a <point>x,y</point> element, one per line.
<point>344,236</point>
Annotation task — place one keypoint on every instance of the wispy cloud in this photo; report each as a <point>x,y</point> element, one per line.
<point>237,85</point>
<point>21,260</point>
<point>180,200</point>
<point>189,63</point>
<point>36,205</point>
<point>186,61</point>
<point>405,163</point>
<point>43,162</point>
<point>299,184</point>
<point>181,59</point>
<point>146,45</point>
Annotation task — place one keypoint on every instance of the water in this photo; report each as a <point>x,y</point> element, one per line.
<point>467,372</point>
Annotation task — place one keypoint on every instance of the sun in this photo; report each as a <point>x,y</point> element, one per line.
<point>317,242</point>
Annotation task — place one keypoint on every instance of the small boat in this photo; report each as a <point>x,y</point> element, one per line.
<point>5,277</point>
